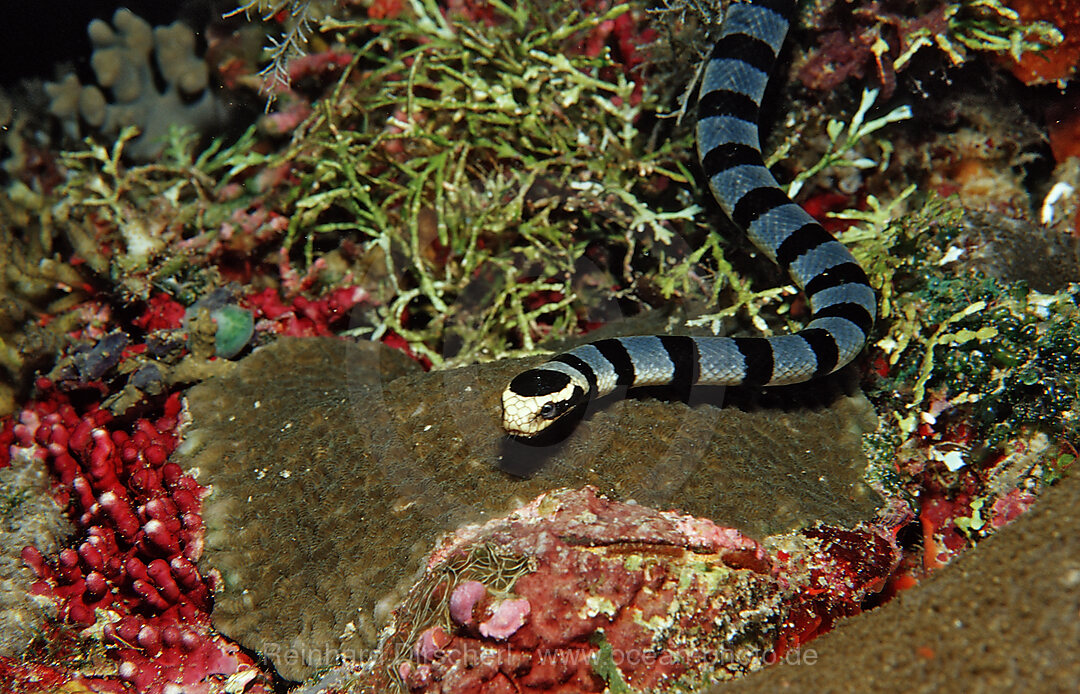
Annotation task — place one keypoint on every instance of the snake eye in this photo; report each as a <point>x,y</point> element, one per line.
<point>548,410</point>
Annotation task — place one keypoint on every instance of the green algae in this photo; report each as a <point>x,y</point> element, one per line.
<point>603,664</point>
<point>964,338</point>
<point>1005,354</point>
<point>483,142</point>
<point>987,26</point>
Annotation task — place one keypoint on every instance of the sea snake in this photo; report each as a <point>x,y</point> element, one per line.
<point>843,305</point>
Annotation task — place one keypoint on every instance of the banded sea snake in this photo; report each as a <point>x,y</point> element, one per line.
<point>843,305</point>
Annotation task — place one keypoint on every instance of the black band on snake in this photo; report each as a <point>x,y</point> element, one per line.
<point>842,302</point>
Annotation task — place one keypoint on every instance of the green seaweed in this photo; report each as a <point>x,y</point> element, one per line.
<point>1004,354</point>
<point>981,25</point>
<point>469,165</point>
<point>147,208</point>
<point>603,664</point>
<point>843,140</point>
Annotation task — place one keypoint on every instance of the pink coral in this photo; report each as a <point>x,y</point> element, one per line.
<point>507,616</point>
<point>663,593</point>
<point>463,599</point>
<point>429,644</point>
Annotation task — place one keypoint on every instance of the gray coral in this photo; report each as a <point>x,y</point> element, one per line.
<point>122,62</point>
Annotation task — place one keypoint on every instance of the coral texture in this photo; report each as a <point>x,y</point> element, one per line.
<point>588,595</point>
<point>131,579</point>
<point>323,442</point>
<point>122,63</point>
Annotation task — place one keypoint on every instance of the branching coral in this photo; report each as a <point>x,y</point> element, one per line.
<point>126,55</point>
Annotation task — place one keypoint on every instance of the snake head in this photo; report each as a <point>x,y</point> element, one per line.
<point>537,398</point>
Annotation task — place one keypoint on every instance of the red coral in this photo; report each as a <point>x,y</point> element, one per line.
<point>847,566</point>
<point>303,317</point>
<point>318,64</point>
<point>140,534</point>
<point>17,677</point>
<point>475,11</point>
<point>626,35</point>
<point>161,313</point>
<point>942,539</point>
<point>821,204</point>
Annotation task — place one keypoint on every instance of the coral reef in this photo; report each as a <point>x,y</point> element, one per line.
<point>463,181</point>
<point>280,433</point>
<point>131,580</point>
<point>580,593</point>
<point>122,64</point>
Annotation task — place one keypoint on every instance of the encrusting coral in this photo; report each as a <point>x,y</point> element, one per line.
<point>575,592</point>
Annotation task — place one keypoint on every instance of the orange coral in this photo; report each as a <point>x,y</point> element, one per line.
<point>1056,63</point>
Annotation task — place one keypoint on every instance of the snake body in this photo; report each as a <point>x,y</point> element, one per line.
<point>842,303</point>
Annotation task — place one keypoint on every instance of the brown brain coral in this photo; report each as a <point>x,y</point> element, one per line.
<point>334,466</point>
